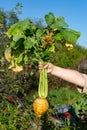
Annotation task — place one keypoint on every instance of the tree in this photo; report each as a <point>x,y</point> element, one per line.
<point>12,18</point>
<point>2,21</point>
<point>6,20</point>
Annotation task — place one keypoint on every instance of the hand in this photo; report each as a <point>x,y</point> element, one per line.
<point>48,66</point>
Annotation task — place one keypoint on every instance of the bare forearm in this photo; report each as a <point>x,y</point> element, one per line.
<point>69,75</point>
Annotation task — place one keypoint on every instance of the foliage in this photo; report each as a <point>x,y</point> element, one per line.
<point>18,8</point>
<point>15,104</point>
<point>30,43</point>
<point>16,99</point>
<point>68,59</point>
<point>2,21</point>
<point>69,97</point>
<point>7,19</point>
<point>12,18</point>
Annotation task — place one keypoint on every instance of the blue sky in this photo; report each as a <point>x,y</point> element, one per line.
<point>74,12</point>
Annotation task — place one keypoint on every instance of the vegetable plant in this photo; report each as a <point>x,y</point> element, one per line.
<point>29,43</point>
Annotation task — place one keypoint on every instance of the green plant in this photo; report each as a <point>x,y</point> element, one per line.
<point>68,105</point>
<point>15,104</point>
<point>29,43</point>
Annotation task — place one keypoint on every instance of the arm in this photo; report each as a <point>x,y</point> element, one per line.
<point>69,75</point>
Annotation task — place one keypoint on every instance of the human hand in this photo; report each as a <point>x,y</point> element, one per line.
<point>48,66</point>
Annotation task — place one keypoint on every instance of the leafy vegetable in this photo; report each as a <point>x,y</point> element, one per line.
<point>37,44</point>
<point>31,43</point>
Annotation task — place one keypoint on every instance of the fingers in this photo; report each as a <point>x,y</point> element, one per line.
<point>48,66</point>
<point>40,66</point>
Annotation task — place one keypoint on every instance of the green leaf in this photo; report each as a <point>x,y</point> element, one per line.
<point>18,36</point>
<point>39,33</point>
<point>58,36</point>
<point>26,59</point>
<point>50,18</point>
<point>29,43</point>
<point>19,27</point>
<point>70,35</point>
<point>33,28</point>
<point>11,30</point>
<point>54,22</point>
<point>19,58</point>
<point>45,55</point>
<point>59,23</point>
<point>12,44</point>
<point>52,48</point>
